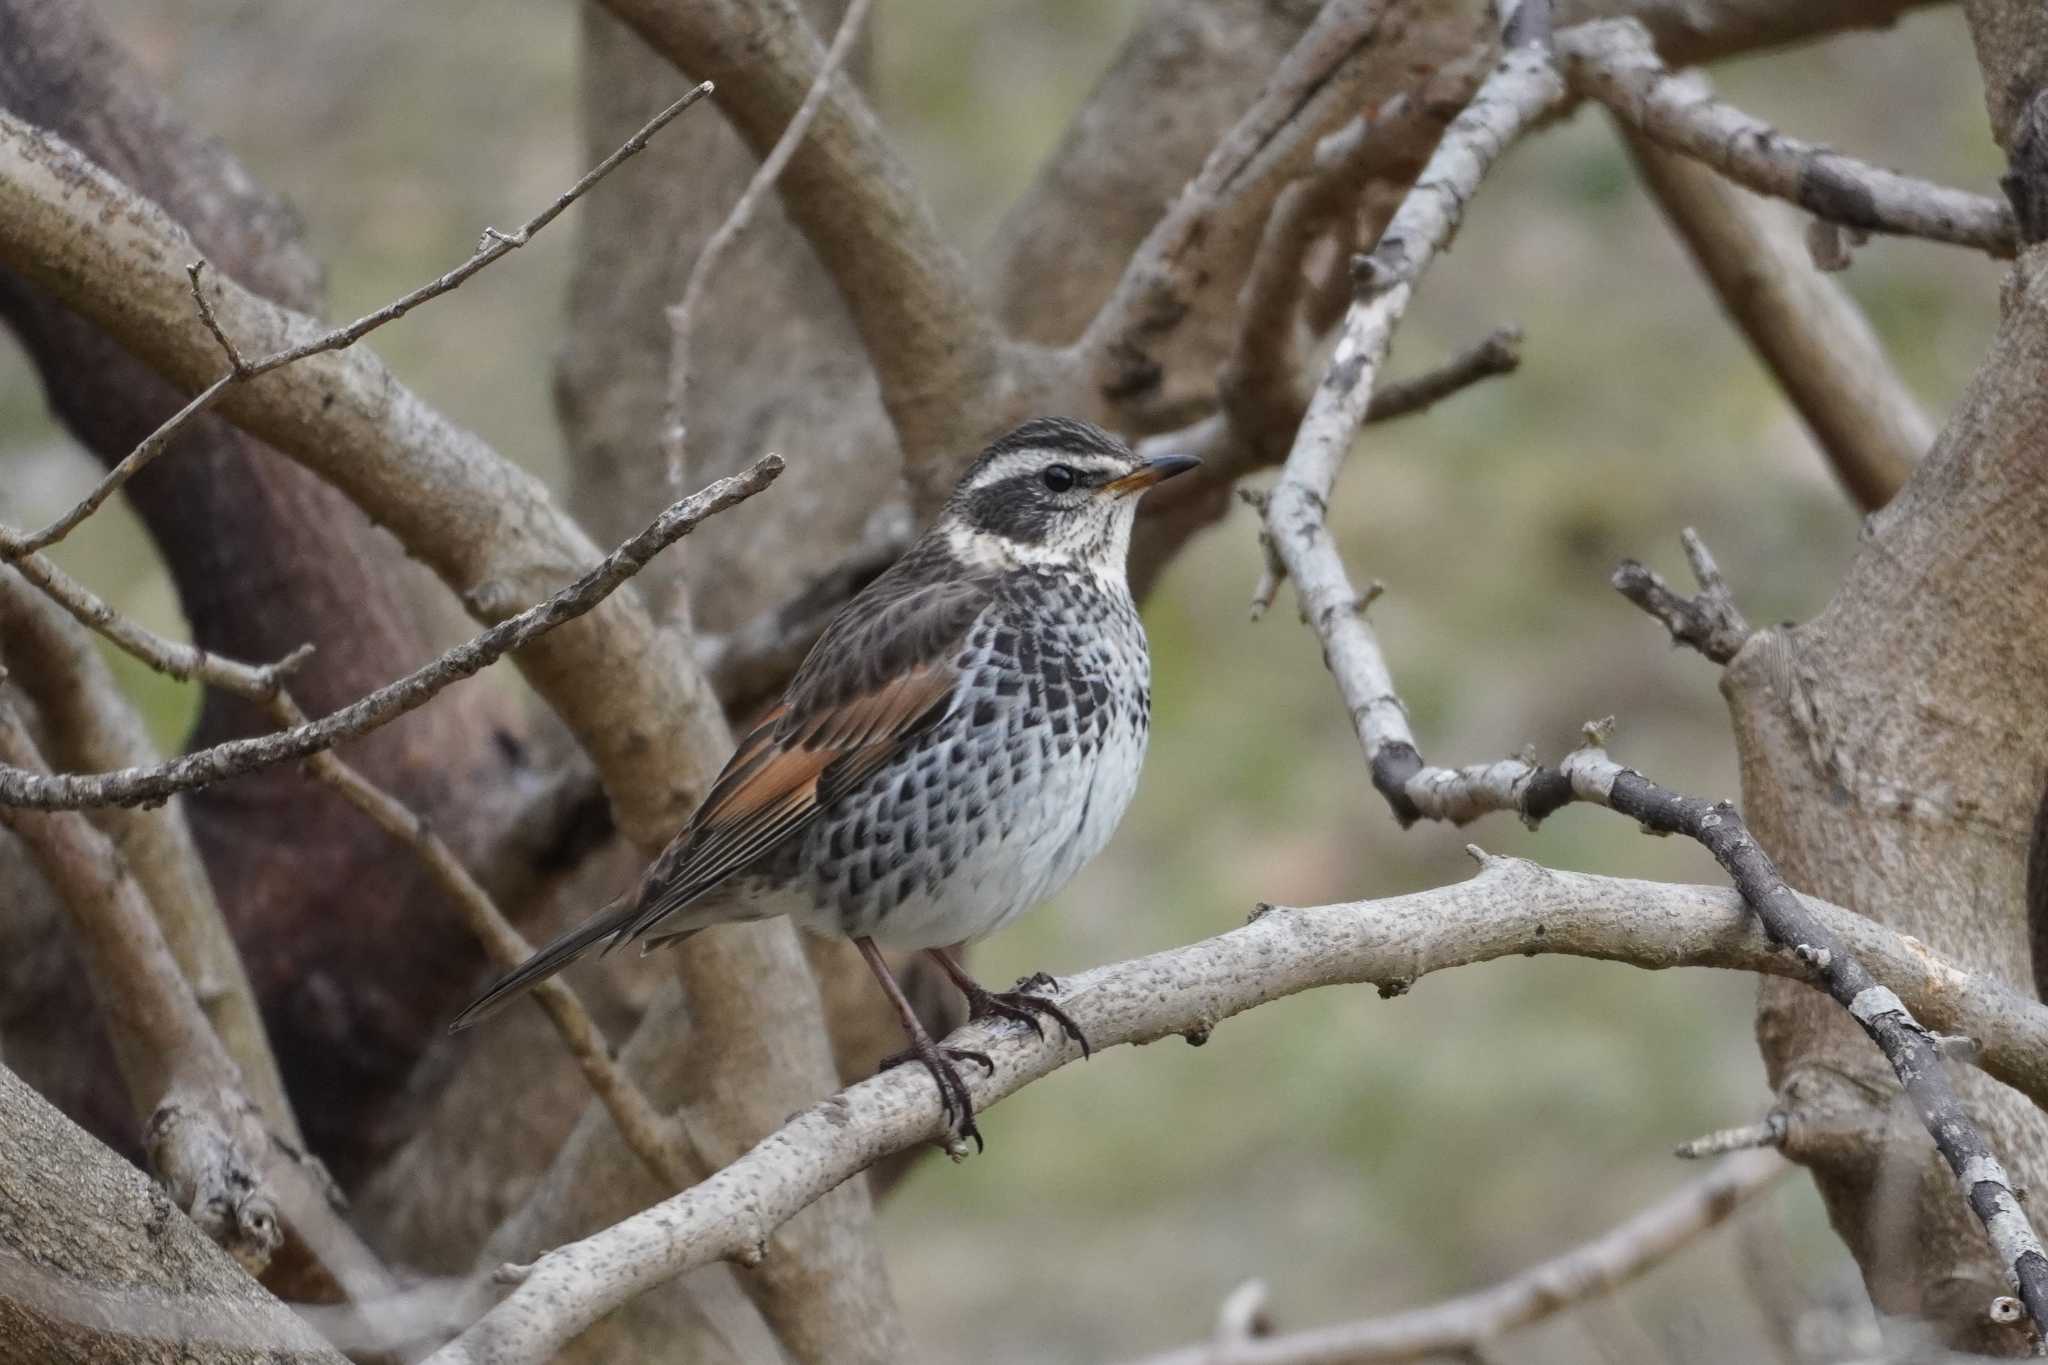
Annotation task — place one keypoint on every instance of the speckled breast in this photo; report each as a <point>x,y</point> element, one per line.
<point>995,807</point>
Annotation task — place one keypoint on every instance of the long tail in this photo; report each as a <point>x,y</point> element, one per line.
<point>545,963</point>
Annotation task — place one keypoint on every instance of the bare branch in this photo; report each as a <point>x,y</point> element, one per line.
<point>935,351</point>
<point>629,692</point>
<point>1511,907</point>
<point>1805,327</point>
<point>172,658</point>
<point>1768,1132</point>
<point>1116,349</point>
<point>95,1266</point>
<point>683,316</point>
<point>1474,1321</point>
<point>1416,791</point>
<point>1615,63</point>
<point>137,786</point>
<point>1498,352</point>
<point>14,544</point>
<point>206,1139</point>
<point>653,1138</point>
<point>1710,622</point>
<point>89,724</point>
<point>1521,89</point>
<point>1524,85</point>
<point>1905,1042</point>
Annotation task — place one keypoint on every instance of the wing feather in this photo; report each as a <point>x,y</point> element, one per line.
<point>884,671</point>
<point>834,729</point>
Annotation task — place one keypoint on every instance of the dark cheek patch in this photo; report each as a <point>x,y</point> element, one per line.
<point>1010,509</point>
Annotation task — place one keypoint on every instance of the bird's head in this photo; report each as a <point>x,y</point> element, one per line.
<point>1055,492</point>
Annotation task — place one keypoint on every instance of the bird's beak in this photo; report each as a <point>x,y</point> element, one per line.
<point>1149,473</point>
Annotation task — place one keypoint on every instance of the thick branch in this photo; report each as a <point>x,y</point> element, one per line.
<point>95,1264</point>
<point>13,544</point>
<point>91,725</point>
<point>206,1139</point>
<point>138,786</point>
<point>934,349</point>
<point>629,693</point>
<point>1471,1322</point>
<point>1511,907</point>
<point>1616,64</point>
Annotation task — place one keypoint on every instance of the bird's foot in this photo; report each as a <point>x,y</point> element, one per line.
<point>1025,1005</point>
<point>953,1097</point>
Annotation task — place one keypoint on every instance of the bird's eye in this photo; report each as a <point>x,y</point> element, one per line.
<point>1059,478</point>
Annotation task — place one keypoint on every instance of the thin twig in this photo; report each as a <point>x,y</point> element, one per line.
<point>135,786</point>
<point>1521,89</point>
<point>1709,622</point>
<point>683,316</point>
<point>172,658</point>
<point>1116,349</point>
<point>14,544</point>
<point>1471,1322</point>
<point>1511,907</point>
<point>652,1137</point>
<point>1767,1132</point>
<point>1615,62</point>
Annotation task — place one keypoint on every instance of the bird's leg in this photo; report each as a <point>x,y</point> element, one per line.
<point>1023,1004</point>
<point>953,1097</point>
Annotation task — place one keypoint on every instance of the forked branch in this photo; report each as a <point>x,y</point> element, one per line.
<point>15,544</point>
<point>135,786</point>
<point>1511,907</point>
<point>1616,63</point>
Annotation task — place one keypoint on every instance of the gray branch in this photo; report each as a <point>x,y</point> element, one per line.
<point>1616,63</point>
<point>137,786</point>
<point>1511,908</point>
<point>1709,622</point>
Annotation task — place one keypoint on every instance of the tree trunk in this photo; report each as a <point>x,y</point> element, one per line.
<point>97,1264</point>
<point>1893,757</point>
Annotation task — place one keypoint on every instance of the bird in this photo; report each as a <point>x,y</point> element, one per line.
<point>963,737</point>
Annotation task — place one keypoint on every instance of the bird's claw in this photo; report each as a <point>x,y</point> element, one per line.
<point>954,1099</point>
<point>1025,1005</point>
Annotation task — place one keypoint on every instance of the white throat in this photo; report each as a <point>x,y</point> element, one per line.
<point>1102,550</point>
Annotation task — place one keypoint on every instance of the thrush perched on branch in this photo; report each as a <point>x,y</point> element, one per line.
<point>963,737</point>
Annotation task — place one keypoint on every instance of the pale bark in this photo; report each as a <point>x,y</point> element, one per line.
<point>96,1264</point>
<point>1891,753</point>
<point>633,697</point>
<point>1510,907</point>
<point>89,725</point>
<point>789,369</point>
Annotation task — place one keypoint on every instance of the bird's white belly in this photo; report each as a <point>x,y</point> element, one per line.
<point>1061,811</point>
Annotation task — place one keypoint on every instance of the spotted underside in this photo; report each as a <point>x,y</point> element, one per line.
<point>964,736</point>
<point>974,743</point>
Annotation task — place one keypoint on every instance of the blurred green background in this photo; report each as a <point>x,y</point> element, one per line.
<point>1360,1155</point>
